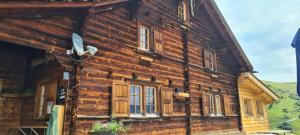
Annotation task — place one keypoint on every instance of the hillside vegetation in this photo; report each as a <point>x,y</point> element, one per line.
<point>285,113</point>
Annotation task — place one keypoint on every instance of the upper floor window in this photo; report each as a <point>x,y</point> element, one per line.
<point>182,10</point>
<point>259,108</point>
<point>248,107</point>
<point>209,60</point>
<point>144,37</point>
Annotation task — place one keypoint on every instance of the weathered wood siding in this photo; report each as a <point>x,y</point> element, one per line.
<point>116,37</point>
<point>52,34</point>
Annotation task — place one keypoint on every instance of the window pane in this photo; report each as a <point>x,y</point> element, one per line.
<point>138,109</point>
<point>132,109</point>
<point>148,108</point>
<point>153,109</point>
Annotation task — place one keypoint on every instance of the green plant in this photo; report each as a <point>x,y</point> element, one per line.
<point>112,127</point>
<point>285,126</point>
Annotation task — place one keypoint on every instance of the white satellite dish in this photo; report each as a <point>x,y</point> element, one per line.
<point>78,44</point>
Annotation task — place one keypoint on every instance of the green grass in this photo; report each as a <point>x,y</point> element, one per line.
<point>288,98</point>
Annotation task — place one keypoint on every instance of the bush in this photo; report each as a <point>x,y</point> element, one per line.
<point>285,126</point>
<point>112,127</point>
<point>285,110</point>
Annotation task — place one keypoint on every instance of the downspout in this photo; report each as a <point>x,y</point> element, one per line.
<point>186,83</point>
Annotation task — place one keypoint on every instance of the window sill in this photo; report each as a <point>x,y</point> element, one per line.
<point>147,53</point>
<point>147,116</point>
<point>210,70</point>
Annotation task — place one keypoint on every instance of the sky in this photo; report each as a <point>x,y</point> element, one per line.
<point>265,30</point>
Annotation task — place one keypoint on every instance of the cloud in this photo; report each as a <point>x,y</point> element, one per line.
<point>265,30</point>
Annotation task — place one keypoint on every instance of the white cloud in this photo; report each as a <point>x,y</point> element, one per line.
<point>265,30</point>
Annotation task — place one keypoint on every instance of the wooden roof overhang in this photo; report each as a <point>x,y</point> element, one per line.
<point>40,9</point>
<point>225,31</point>
<point>252,84</point>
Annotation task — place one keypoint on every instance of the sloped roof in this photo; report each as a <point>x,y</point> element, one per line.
<point>260,85</point>
<point>221,24</point>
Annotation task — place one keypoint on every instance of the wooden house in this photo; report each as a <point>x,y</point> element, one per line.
<point>254,98</point>
<point>162,66</point>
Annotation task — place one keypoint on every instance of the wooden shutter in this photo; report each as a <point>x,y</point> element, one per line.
<point>205,98</point>
<point>158,42</point>
<point>206,59</point>
<point>227,105</point>
<point>120,99</point>
<point>166,102</point>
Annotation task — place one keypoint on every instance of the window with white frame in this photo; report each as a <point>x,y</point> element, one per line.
<point>144,38</point>
<point>218,105</point>
<point>142,101</point>
<point>150,100</point>
<point>135,100</point>
<point>211,104</point>
<point>182,10</point>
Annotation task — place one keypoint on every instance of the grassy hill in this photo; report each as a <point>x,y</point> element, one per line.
<point>288,107</point>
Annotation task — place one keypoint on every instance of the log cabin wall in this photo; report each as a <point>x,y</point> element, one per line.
<point>46,33</point>
<point>116,36</point>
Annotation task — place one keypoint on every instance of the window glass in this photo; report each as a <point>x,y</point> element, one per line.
<point>218,105</point>
<point>248,107</point>
<point>259,108</point>
<point>211,104</point>
<point>144,38</point>
<point>150,100</point>
<point>135,95</point>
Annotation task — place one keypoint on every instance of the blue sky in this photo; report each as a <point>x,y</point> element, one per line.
<point>265,29</point>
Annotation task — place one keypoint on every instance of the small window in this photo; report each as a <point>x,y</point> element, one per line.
<point>135,99</point>
<point>209,60</point>
<point>182,11</point>
<point>211,104</point>
<point>41,101</point>
<point>218,105</point>
<point>150,100</point>
<point>248,107</point>
<point>259,108</point>
<point>144,43</point>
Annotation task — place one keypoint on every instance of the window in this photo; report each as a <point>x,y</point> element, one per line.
<point>215,107</point>
<point>182,11</point>
<point>150,100</point>
<point>248,107</point>
<point>259,108</point>
<point>144,39</point>
<point>135,99</point>
<point>211,104</point>
<point>149,103</point>
<point>42,100</point>
<point>45,98</point>
<point>209,60</point>
<point>131,100</point>
<point>218,105</point>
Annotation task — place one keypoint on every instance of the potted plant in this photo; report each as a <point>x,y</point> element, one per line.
<point>110,128</point>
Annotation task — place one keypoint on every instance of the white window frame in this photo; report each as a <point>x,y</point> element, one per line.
<point>218,111</point>
<point>154,101</point>
<point>140,98</point>
<point>42,101</point>
<point>144,45</point>
<point>182,10</point>
<point>211,105</point>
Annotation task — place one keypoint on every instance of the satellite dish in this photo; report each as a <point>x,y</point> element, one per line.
<point>78,44</point>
